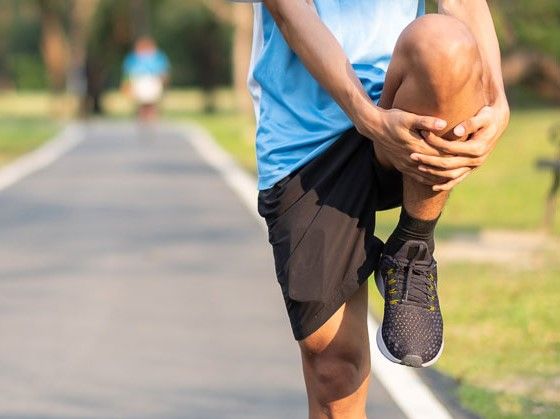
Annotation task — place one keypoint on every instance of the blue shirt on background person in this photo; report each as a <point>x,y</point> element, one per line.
<point>145,73</point>
<point>145,60</point>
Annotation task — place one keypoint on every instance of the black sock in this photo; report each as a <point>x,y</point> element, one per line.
<point>410,228</point>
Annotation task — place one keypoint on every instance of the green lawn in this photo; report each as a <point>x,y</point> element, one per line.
<point>502,335</point>
<point>234,132</point>
<point>19,135</point>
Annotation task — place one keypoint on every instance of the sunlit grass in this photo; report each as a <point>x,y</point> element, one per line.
<point>20,135</point>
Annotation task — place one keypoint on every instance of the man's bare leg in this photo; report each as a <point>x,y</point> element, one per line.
<point>336,362</point>
<point>435,70</point>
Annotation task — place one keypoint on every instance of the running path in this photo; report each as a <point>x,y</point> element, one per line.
<point>135,284</point>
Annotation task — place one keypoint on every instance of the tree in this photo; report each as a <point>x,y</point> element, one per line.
<point>82,13</point>
<point>54,46</point>
<point>242,54</point>
<point>239,15</point>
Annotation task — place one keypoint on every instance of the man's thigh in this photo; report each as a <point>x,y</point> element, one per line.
<point>435,70</point>
<point>345,332</point>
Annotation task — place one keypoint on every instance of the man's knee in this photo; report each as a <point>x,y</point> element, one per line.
<point>337,370</point>
<point>443,52</point>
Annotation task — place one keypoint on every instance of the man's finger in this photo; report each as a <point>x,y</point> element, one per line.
<point>412,171</point>
<point>428,123</point>
<point>446,174</point>
<point>457,148</point>
<point>474,123</point>
<point>419,145</point>
<point>446,162</point>
<point>485,136</point>
<point>451,184</point>
<point>425,180</point>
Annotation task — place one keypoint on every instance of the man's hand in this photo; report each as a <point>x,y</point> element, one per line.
<point>457,159</point>
<point>397,134</point>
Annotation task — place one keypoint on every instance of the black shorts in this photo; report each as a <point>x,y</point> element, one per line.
<point>321,221</point>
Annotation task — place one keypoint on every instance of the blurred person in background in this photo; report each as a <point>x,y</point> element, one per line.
<point>146,72</point>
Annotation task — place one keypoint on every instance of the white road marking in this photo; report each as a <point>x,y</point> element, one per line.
<point>40,158</point>
<point>412,396</point>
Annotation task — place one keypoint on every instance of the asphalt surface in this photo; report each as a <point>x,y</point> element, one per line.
<point>134,284</point>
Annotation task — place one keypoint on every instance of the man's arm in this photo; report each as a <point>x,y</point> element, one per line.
<point>325,59</point>
<point>487,126</point>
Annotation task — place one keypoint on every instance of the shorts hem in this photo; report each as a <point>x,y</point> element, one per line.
<point>326,312</point>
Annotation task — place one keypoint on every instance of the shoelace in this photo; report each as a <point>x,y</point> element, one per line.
<point>417,287</point>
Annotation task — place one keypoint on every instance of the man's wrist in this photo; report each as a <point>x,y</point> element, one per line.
<point>501,103</point>
<point>369,119</point>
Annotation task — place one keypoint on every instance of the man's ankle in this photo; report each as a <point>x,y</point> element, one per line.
<point>411,228</point>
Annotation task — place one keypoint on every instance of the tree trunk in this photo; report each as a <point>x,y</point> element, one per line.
<point>54,47</point>
<point>81,18</point>
<point>242,14</point>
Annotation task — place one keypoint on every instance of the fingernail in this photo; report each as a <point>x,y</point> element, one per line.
<point>440,124</point>
<point>424,134</point>
<point>422,168</point>
<point>459,130</point>
<point>414,157</point>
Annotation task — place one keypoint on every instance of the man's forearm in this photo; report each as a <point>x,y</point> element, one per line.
<point>321,54</point>
<point>476,15</point>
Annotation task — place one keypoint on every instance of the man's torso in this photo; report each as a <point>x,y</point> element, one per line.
<point>296,118</point>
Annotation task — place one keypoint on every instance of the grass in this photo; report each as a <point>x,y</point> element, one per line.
<point>19,135</point>
<point>235,132</point>
<point>502,336</point>
<point>502,341</point>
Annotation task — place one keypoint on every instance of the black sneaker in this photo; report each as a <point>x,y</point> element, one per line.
<point>412,329</point>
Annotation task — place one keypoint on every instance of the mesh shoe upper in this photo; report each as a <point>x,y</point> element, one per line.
<point>412,322</point>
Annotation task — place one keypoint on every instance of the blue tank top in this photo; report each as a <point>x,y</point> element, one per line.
<point>296,118</point>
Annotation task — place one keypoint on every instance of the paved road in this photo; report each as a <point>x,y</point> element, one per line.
<point>134,284</point>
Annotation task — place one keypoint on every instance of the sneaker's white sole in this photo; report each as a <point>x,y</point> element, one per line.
<point>385,352</point>
<point>379,338</point>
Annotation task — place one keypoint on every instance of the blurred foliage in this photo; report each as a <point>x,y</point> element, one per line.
<point>21,65</point>
<point>198,40</point>
<point>197,43</point>
<point>530,24</point>
<point>27,71</point>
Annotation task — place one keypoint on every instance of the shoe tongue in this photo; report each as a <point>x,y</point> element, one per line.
<point>414,250</point>
<point>417,253</point>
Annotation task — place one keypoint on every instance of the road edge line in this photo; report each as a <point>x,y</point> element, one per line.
<point>407,390</point>
<point>41,157</point>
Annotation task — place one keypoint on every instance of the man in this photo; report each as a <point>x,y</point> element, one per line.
<point>362,106</point>
<point>146,71</point>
